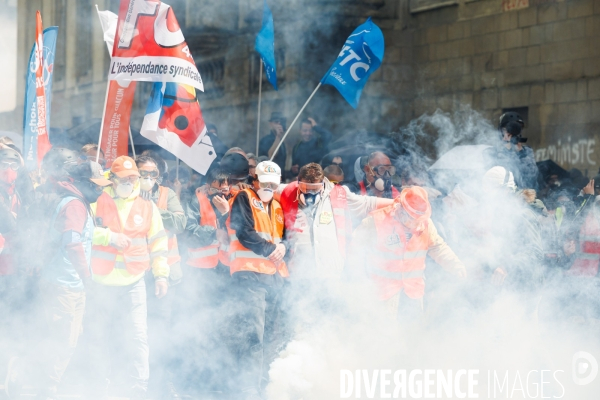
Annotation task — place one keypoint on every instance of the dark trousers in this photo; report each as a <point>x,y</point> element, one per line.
<point>256,327</point>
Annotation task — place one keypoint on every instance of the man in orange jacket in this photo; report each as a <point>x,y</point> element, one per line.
<point>397,239</point>
<point>258,271</point>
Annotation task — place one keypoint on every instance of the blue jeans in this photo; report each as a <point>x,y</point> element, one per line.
<point>117,330</point>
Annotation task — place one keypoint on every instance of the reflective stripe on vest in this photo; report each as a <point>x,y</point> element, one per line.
<point>269,226</point>
<point>136,257</point>
<point>207,256</point>
<point>397,275</point>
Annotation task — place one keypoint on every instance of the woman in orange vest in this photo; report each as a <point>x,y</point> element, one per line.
<point>152,169</point>
<point>258,271</point>
<point>397,239</point>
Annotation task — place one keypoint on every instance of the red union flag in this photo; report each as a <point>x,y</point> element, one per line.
<point>150,46</point>
<point>119,100</point>
<point>43,141</point>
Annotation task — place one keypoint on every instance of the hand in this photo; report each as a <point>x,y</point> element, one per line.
<point>312,121</point>
<point>498,277</point>
<point>279,131</point>
<point>119,240</point>
<point>462,273</point>
<point>569,247</point>
<point>295,169</point>
<point>589,188</point>
<point>161,287</point>
<point>221,204</point>
<point>277,255</point>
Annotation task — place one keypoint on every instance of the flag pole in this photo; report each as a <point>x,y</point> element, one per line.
<point>102,122</point>
<point>132,146</point>
<point>177,168</point>
<point>294,121</point>
<point>258,116</point>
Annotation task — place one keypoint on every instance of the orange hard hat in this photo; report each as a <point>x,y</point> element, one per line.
<point>415,202</point>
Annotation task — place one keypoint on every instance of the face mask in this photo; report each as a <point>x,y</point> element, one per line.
<point>384,182</point>
<point>146,184</point>
<point>265,194</point>
<point>310,199</point>
<point>124,190</point>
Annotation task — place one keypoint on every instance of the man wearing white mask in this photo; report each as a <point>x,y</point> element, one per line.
<point>256,252</point>
<point>129,239</point>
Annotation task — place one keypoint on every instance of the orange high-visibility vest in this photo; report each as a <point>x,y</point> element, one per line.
<point>363,190</point>
<point>397,264</point>
<point>270,227</point>
<point>588,257</point>
<point>339,206</point>
<point>208,256</point>
<point>136,257</point>
<point>173,256</point>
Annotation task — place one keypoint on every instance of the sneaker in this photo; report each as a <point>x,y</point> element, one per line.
<point>13,382</point>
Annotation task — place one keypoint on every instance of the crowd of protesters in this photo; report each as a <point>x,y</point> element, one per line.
<point>160,280</point>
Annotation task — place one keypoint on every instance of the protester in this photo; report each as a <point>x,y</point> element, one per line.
<point>129,239</point>
<point>313,145</point>
<point>90,151</point>
<point>67,272</point>
<point>160,310</point>
<point>258,272</point>
<point>319,219</point>
<point>237,167</point>
<point>334,174</point>
<point>397,239</point>
<point>252,163</point>
<point>377,181</point>
<point>268,144</point>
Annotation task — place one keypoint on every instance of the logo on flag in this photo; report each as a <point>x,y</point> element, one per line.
<point>361,55</point>
<point>34,113</point>
<point>149,46</point>
<point>174,121</point>
<point>265,45</point>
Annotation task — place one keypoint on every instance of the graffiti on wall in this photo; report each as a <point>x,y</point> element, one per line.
<point>569,152</point>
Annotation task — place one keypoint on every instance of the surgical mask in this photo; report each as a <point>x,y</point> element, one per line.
<point>124,190</point>
<point>146,184</point>
<point>265,194</point>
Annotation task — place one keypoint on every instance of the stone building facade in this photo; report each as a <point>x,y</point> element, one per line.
<point>538,56</point>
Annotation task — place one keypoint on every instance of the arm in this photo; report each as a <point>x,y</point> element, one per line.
<point>70,222</point>
<point>274,146</point>
<point>360,206</point>
<point>242,222</point>
<point>173,217</point>
<point>443,254</point>
<point>158,246</point>
<point>197,235</point>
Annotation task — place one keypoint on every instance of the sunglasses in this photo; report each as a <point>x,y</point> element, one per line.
<point>4,165</point>
<point>149,174</point>
<point>268,185</point>
<point>310,188</point>
<point>382,169</point>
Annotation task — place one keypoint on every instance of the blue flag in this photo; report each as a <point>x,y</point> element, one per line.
<point>30,117</point>
<point>265,45</point>
<point>361,55</point>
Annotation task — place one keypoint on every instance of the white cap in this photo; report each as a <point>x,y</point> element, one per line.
<point>268,171</point>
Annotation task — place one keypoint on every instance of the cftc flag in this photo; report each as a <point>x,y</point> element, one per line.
<point>361,55</point>
<point>149,46</point>
<point>38,95</point>
<point>174,121</point>
<point>265,45</point>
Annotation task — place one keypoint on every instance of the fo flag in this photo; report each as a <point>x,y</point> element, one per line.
<point>150,46</point>
<point>265,45</point>
<point>360,57</point>
<point>119,100</point>
<point>38,95</point>
<point>174,121</point>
